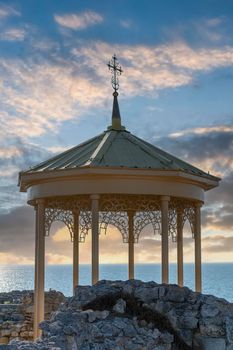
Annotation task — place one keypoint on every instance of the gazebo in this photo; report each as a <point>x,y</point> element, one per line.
<point>117,179</point>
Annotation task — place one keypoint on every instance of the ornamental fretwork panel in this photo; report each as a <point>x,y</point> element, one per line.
<point>120,221</point>
<point>65,216</point>
<point>113,210</point>
<point>143,219</point>
<point>146,211</point>
<point>64,209</point>
<point>116,219</point>
<point>84,225</point>
<point>186,209</point>
<point>129,203</point>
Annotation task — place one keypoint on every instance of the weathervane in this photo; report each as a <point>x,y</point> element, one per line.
<point>116,70</point>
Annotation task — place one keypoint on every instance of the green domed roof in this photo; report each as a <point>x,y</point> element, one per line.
<point>117,149</point>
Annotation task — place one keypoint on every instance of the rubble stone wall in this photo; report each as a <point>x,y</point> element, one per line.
<point>16,313</point>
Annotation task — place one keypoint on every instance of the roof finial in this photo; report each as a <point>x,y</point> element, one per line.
<point>116,70</point>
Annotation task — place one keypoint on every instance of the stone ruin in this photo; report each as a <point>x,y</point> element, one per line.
<point>16,313</point>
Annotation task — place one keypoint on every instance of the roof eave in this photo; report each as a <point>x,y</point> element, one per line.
<point>27,179</point>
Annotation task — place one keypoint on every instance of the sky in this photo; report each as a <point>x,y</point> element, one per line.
<point>175,92</point>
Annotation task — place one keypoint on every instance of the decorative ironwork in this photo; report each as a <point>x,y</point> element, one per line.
<point>146,208</point>
<point>116,70</point>
<point>65,216</point>
<point>187,210</point>
<point>115,202</point>
<point>113,211</point>
<point>172,223</point>
<point>63,208</point>
<point>117,219</point>
<point>189,214</point>
<point>84,225</point>
<point>142,219</point>
<point>73,203</point>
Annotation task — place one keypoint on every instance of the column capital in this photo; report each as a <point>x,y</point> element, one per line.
<point>165,198</point>
<point>40,201</point>
<point>199,204</point>
<point>130,212</point>
<point>94,196</point>
<point>75,212</point>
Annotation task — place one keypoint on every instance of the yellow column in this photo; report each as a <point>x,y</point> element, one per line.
<point>131,245</point>
<point>39,267</point>
<point>164,224</point>
<point>76,250</point>
<point>198,277</point>
<point>35,325</point>
<point>95,237</point>
<point>180,268</point>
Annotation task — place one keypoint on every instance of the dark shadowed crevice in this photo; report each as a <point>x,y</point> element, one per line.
<point>135,308</point>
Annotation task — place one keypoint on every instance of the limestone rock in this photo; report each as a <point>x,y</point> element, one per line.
<point>120,306</point>
<point>207,343</point>
<point>118,315</point>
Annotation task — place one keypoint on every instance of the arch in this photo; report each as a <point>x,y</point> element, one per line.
<point>187,210</point>
<point>65,216</point>
<point>117,219</point>
<point>189,215</point>
<point>142,219</point>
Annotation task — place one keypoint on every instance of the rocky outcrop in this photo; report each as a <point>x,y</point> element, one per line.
<point>16,313</point>
<point>135,315</point>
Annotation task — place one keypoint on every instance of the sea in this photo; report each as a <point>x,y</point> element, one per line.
<point>217,278</point>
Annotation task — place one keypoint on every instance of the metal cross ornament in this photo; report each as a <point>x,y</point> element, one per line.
<point>116,70</point>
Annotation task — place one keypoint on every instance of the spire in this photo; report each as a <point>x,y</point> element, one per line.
<point>116,70</point>
<point>116,116</point>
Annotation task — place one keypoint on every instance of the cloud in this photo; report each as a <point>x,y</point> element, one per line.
<point>17,231</point>
<point>203,130</point>
<point>15,155</point>
<point>19,154</point>
<point>79,22</point>
<point>210,29</point>
<point>199,59</point>
<point>65,89</point>
<point>218,244</point>
<point>11,259</point>
<point>203,31</point>
<point>8,11</point>
<point>58,149</point>
<point>60,93</point>
<point>60,235</point>
<point>13,34</point>
<point>151,68</point>
<point>43,45</point>
<point>214,21</point>
<point>209,148</point>
<point>126,23</point>
<point>9,152</point>
<point>57,259</point>
<point>220,206</point>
